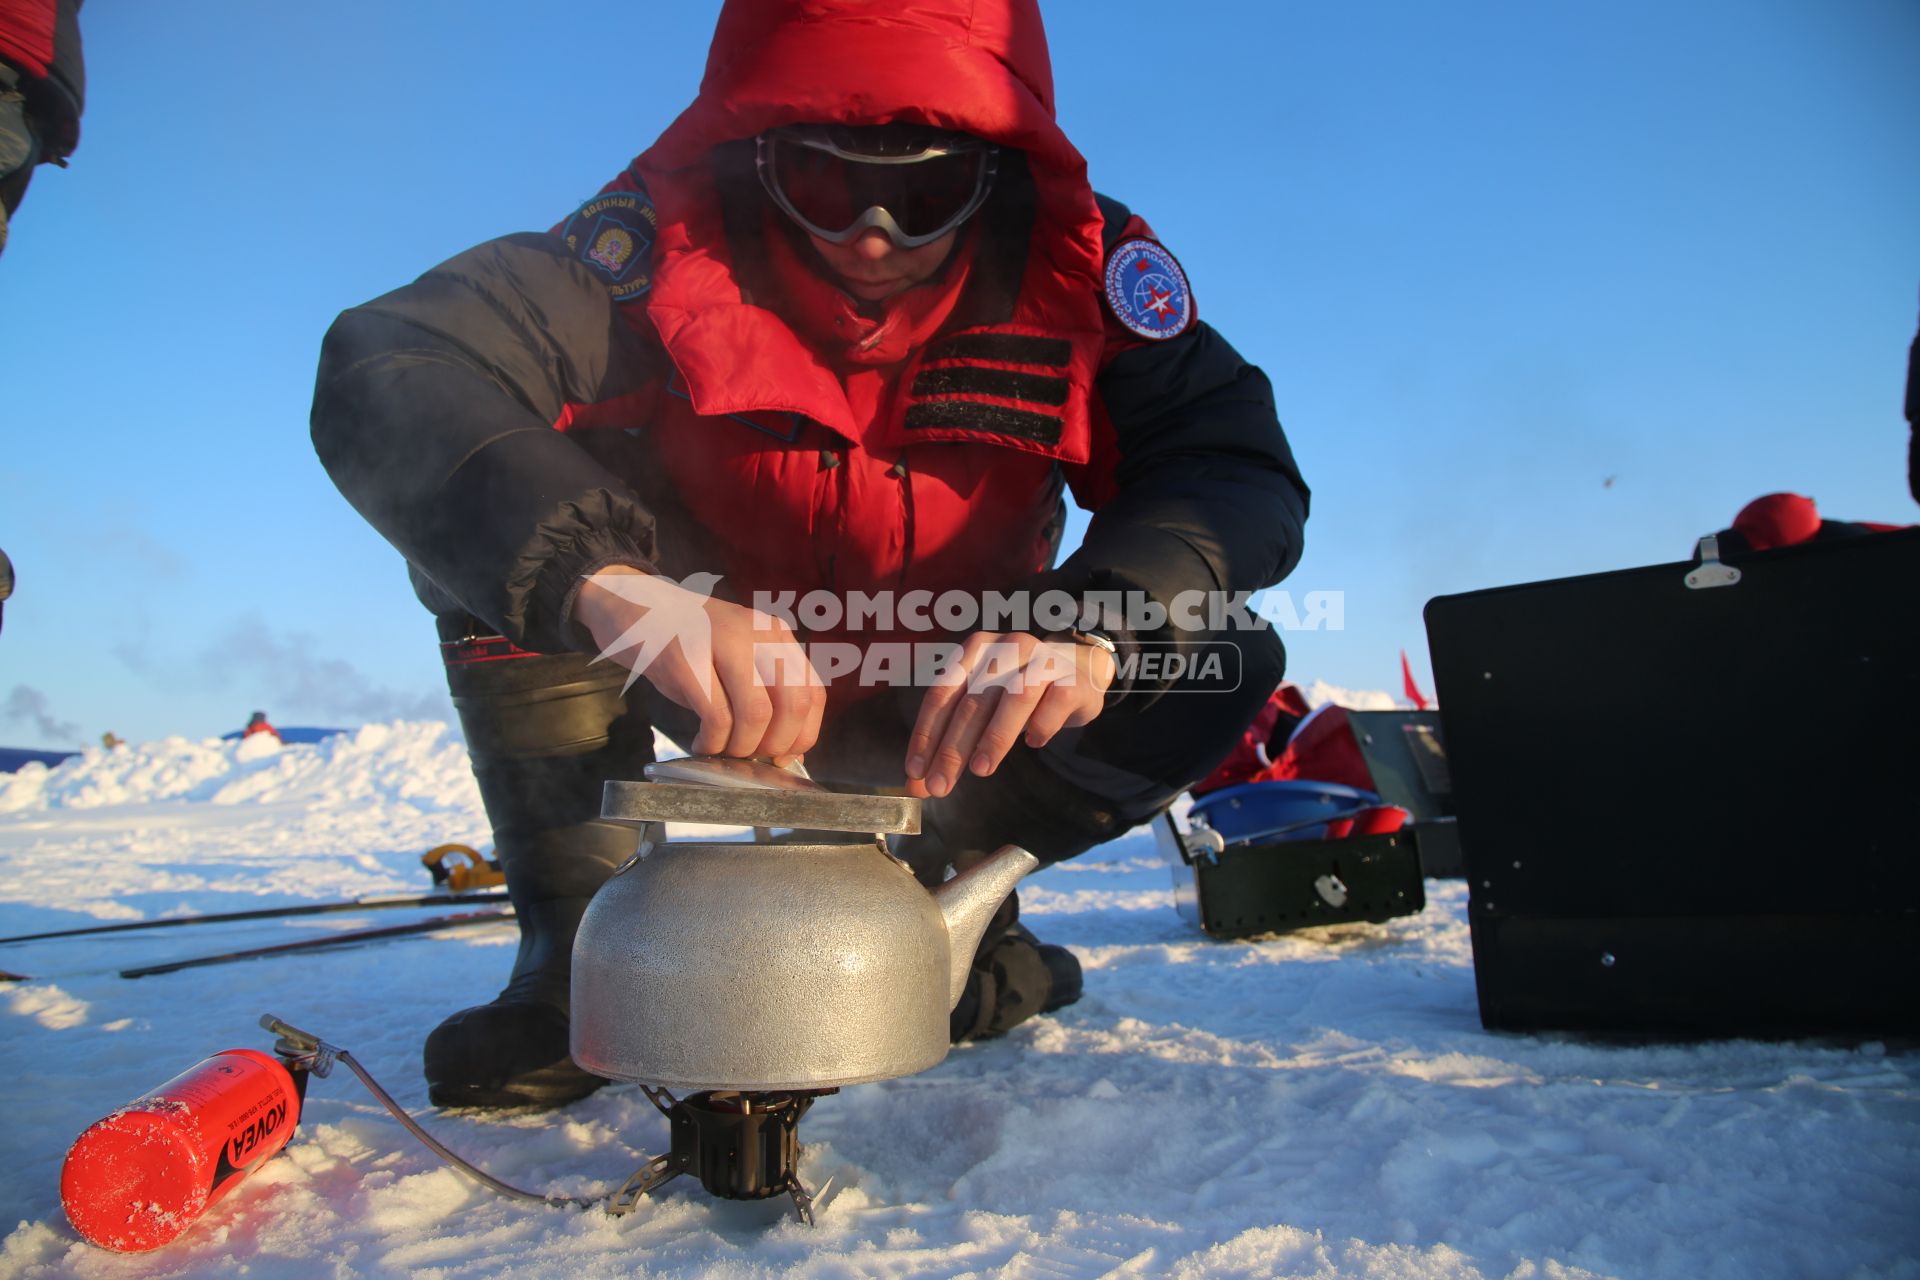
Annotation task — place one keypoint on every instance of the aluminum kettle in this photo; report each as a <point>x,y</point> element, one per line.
<point>772,965</point>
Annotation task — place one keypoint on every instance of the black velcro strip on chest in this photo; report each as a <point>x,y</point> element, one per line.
<point>966,415</point>
<point>971,380</point>
<point>1010,348</point>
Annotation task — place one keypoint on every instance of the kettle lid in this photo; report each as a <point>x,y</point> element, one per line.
<point>751,793</point>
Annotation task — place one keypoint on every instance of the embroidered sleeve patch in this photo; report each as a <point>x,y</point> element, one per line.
<point>613,234</point>
<point>1147,290</point>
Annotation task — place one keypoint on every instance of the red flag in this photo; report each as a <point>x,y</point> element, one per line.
<point>1418,698</point>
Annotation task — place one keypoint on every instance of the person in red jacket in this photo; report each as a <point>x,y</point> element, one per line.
<point>815,372</point>
<point>258,723</point>
<point>42,92</point>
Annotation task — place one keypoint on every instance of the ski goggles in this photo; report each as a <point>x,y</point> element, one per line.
<point>819,177</point>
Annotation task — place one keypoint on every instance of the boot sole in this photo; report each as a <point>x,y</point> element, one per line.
<point>549,1087</point>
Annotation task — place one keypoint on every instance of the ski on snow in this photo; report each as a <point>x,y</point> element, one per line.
<point>270,913</point>
<point>351,937</point>
<point>348,938</point>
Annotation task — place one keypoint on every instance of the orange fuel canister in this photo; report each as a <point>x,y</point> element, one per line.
<point>138,1178</point>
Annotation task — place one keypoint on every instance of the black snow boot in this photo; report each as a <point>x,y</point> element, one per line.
<point>1014,975</point>
<point>544,734</point>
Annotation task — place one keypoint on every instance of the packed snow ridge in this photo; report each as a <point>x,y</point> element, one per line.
<point>414,763</point>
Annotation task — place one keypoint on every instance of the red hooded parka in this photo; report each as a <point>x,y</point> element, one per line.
<point>805,410</point>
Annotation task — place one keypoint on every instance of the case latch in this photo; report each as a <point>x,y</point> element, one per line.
<point>1711,572</point>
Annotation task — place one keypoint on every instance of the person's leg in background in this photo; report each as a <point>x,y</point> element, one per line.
<point>19,147</point>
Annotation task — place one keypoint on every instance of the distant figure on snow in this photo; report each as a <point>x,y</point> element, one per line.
<point>110,740</point>
<point>258,724</point>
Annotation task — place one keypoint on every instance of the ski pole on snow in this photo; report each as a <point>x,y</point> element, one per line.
<point>267,913</point>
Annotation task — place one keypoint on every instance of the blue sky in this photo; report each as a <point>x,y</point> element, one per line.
<point>1492,255</point>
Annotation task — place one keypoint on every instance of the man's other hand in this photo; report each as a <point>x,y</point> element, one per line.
<point>1006,686</point>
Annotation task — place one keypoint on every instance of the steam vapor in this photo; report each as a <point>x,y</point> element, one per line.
<point>30,705</point>
<point>283,671</point>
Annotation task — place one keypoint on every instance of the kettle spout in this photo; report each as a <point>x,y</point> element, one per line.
<point>967,903</point>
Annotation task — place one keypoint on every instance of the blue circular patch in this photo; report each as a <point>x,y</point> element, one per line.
<point>613,234</point>
<point>1148,291</point>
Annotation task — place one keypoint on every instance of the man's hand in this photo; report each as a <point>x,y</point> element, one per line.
<point>747,678</point>
<point>1005,686</point>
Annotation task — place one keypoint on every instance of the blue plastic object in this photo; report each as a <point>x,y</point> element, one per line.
<point>292,735</point>
<point>1255,811</point>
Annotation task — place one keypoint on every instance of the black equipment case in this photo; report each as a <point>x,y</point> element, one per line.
<point>1236,889</point>
<point>1239,890</point>
<point>1686,793</point>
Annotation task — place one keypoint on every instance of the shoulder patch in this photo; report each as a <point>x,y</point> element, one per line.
<point>1147,290</point>
<point>613,234</point>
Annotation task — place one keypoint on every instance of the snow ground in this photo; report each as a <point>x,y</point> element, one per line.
<point>1315,1105</point>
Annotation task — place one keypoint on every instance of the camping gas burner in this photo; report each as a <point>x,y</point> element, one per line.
<point>741,1145</point>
